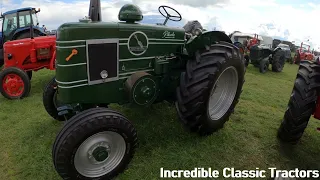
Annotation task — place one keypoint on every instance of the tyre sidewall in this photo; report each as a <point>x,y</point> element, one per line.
<point>262,65</point>
<point>94,128</point>
<point>205,118</point>
<point>48,99</point>
<point>23,75</point>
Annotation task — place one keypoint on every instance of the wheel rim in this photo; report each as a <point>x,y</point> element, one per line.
<point>13,85</point>
<point>100,154</point>
<point>223,93</point>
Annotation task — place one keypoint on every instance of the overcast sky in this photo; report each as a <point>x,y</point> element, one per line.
<point>294,20</point>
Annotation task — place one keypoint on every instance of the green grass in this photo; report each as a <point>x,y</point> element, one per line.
<point>247,141</point>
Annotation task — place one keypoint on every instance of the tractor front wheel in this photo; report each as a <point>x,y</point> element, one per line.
<point>264,65</point>
<point>15,83</point>
<point>94,144</point>
<point>302,103</point>
<point>210,88</point>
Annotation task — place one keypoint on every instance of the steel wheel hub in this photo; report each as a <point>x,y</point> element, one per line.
<point>223,93</point>
<point>13,85</point>
<point>100,154</point>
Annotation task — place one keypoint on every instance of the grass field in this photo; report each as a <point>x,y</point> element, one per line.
<point>247,141</point>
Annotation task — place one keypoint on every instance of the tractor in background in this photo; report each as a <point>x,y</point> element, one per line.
<point>244,42</point>
<point>303,53</point>
<point>16,25</point>
<point>21,57</point>
<point>201,72</point>
<point>262,56</point>
<point>304,102</point>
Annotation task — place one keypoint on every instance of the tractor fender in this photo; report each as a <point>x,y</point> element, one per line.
<point>275,50</point>
<point>205,39</point>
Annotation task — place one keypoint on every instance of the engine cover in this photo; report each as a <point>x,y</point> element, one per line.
<point>259,52</point>
<point>142,88</point>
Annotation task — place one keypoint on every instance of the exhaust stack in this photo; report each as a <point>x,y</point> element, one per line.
<point>95,10</point>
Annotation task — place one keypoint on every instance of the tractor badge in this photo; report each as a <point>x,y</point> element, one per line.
<point>138,43</point>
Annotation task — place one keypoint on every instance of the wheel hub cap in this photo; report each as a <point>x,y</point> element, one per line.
<point>13,85</point>
<point>223,93</point>
<point>99,154</point>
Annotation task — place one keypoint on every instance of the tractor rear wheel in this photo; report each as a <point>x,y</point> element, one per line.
<point>278,61</point>
<point>302,103</point>
<point>96,143</point>
<point>50,101</point>
<point>264,65</point>
<point>210,88</point>
<point>15,83</point>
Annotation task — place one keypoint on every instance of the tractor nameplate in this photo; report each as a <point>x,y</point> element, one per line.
<point>102,56</point>
<point>138,43</point>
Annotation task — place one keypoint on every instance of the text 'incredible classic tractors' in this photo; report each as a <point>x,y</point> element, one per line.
<point>24,55</point>
<point>128,62</point>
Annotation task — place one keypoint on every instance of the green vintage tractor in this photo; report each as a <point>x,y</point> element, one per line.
<point>262,56</point>
<point>99,63</point>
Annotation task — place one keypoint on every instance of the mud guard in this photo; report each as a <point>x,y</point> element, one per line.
<point>206,39</point>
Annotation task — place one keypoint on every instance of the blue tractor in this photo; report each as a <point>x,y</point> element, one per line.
<point>16,24</point>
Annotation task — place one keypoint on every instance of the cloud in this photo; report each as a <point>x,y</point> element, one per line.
<point>268,17</point>
<point>192,3</point>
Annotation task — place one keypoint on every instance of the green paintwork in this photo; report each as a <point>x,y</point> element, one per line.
<point>144,90</point>
<point>165,59</point>
<point>130,13</point>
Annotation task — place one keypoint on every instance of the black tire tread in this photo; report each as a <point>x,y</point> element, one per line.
<point>263,64</point>
<point>195,84</point>
<point>278,60</point>
<point>302,103</point>
<point>48,102</point>
<point>90,119</point>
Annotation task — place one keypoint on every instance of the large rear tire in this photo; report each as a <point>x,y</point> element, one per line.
<point>218,70</point>
<point>94,144</point>
<point>278,61</point>
<point>25,35</point>
<point>50,101</point>
<point>302,103</point>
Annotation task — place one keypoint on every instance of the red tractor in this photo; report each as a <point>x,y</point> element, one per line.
<point>303,53</point>
<point>244,42</point>
<point>21,57</point>
<point>304,102</point>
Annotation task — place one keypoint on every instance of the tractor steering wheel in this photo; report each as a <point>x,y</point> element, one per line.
<point>169,16</point>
